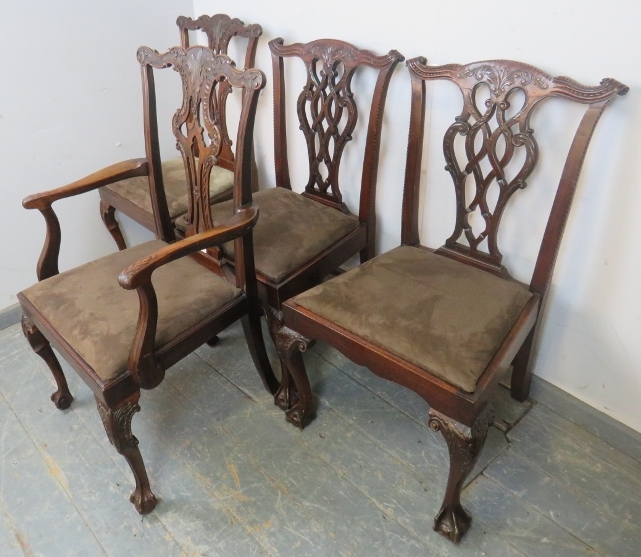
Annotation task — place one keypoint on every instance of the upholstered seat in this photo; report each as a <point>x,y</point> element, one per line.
<point>136,190</point>
<point>441,315</point>
<point>291,230</point>
<point>97,317</point>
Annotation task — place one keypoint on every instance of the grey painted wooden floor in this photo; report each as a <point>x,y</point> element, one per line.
<point>233,479</point>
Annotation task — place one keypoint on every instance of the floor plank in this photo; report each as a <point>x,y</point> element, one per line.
<point>599,474</point>
<point>594,524</point>
<point>532,532</point>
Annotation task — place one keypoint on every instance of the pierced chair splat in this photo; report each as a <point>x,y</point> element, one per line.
<point>119,341</point>
<point>448,323</point>
<point>303,237</point>
<point>134,196</point>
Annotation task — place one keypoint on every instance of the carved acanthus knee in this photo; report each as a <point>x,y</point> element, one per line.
<point>286,395</point>
<point>294,395</point>
<point>33,335</point>
<point>465,445</point>
<point>117,422</point>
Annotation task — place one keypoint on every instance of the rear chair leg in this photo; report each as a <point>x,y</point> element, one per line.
<point>107,213</point>
<point>294,395</point>
<point>117,422</point>
<point>62,397</point>
<point>522,370</point>
<point>256,344</point>
<point>465,445</point>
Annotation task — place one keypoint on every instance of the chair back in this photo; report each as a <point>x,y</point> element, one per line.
<point>197,124</point>
<point>327,115</point>
<point>493,132</point>
<point>220,29</point>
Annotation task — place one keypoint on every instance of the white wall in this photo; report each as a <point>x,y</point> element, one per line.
<point>70,103</point>
<point>590,342</point>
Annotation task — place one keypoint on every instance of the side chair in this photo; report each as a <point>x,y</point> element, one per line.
<point>134,196</point>
<point>447,323</point>
<point>303,237</point>
<point>90,314</point>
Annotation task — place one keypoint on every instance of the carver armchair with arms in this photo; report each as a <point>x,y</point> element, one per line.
<point>448,323</point>
<point>120,342</point>
<point>303,237</point>
<point>134,196</point>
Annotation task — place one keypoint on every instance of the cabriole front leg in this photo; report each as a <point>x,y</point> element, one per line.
<point>294,394</point>
<point>62,397</point>
<point>117,422</point>
<point>107,213</point>
<point>465,445</point>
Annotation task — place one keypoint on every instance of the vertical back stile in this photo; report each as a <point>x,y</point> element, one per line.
<point>164,227</point>
<point>563,199</point>
<point>409,221</point>
<point>280,120</point>
<point>367,208</point>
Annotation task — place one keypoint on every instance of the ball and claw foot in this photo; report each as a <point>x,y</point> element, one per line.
<point>144,500</point>
<point>287,399</point>
<point>299,417</point>
<point>453,522</point>
<point>464,446</point>
<point>287,396</point>
<point>61,399</point>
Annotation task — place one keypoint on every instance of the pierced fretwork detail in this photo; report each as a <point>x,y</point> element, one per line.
<point>510,133</point>
<point>198,125</point>
<point>220,29</point>
<point>322,105</point>
<point>327,111</point>
<point>494,135</point>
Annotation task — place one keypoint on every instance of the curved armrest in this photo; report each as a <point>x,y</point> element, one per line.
<point>48,262</point>
<point>109,175</point>
<point>142,363</point>
<point>140,272</point>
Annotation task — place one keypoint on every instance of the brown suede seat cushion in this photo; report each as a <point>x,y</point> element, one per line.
<point>291,230</point>
<point>136,189</point>
<point>98,318</point>
<point>438,314</point>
